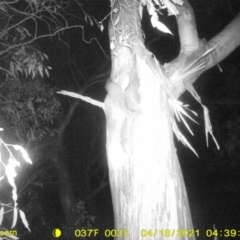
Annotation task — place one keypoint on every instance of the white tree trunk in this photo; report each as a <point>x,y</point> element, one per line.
<point>148,192</point>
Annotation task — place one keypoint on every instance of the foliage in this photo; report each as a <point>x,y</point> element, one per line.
<point>25,21</point>
<point>8,164</point>
<point>29,62</point>
<point>30,107</point>
<point>21,21</point>
<point>84,219</point>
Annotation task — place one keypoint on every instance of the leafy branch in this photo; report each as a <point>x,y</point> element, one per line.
<point>26,21</point>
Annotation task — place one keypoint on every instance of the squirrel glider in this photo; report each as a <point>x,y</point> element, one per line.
<point>120,99</point>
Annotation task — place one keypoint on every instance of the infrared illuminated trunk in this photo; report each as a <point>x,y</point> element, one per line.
<point>148,192</point>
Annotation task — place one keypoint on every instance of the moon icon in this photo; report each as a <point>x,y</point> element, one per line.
<point>56,232</point>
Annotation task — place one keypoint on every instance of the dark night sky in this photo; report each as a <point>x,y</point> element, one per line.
<point>212,179</point>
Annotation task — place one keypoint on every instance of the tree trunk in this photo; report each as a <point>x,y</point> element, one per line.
<point>67,198</point>
<point>66,195</point>
<point>148,191</point>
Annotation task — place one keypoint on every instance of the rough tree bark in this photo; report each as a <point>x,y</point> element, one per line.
<point>148,190</point>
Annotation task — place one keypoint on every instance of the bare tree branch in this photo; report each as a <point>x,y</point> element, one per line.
<point>193,50</point>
